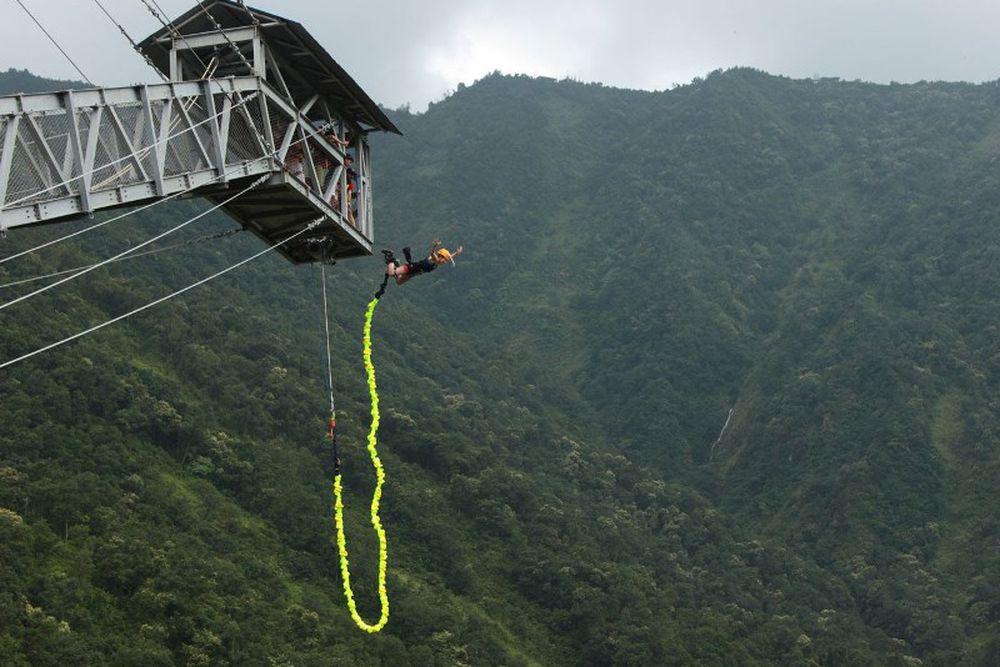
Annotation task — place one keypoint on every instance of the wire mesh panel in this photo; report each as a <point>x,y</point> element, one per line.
<point>141,134</point>
<point>193,135</point>
<point>110,165</point>
<point>201,137</point>
<point>116,157</point>
<point>245,134</point>
<point>184,153</point>
<point>279,121</point>
<point>54,148</point>
<point>33,177</point>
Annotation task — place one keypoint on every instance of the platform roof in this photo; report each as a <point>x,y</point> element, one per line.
<point>306,66</point>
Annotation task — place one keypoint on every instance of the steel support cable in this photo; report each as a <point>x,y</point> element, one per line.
<point>169,25</point>
<point>134,248</point>
<point>236,50</point>
<point>209,70</point>
<point>177,34</point>
<point>253,17</point>
<point>53,40</point>
<point>93,227</point>
<point>147,253</point>
<point>329,362</point>
<point>338,490</point>
<point>222,32</point>
<point>174,32</point>
<point>126,157</point>
<point>131,41</point>
<point>157,302</point>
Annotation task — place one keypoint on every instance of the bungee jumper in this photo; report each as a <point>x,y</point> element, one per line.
<point>403,272</point>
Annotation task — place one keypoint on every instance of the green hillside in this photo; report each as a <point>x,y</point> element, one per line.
<point>818,257</point>
<point>23,81</point>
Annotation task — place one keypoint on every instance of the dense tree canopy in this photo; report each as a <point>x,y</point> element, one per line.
<point>819,257</point>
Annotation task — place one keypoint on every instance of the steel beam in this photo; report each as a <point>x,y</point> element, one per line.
<point>109,148</point>
<point>155,147</point>
<point>75,146</point>
<point>7,154</point>
<point>213,38</point>
<point>218,152</point>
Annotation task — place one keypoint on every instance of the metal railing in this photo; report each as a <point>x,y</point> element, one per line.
<point>74,152</point>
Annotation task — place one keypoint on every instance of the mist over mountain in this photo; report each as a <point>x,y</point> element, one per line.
<point>714,382</point>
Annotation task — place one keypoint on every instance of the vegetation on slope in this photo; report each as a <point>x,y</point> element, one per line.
<point>815,255</point>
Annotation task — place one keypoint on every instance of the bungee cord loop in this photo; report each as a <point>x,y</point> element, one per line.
<point>338,486</point>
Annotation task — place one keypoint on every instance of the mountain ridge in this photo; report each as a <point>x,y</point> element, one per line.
<point>635,267</point>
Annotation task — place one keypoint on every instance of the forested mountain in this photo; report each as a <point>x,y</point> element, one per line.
<point>817,259</point>
<point>23,81</point>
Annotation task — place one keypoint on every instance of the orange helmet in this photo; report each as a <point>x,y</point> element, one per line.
<point>444,255</point>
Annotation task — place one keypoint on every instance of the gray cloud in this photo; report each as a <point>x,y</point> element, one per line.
<point>414,52</point>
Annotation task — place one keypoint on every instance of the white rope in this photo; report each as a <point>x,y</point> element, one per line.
<point>219,29</point>
<point>92,227</point>
<point>147,253</point>
<point>176,33</point>
<point>134,248</point>
<point>53,40</point>
<point>130,156</point>
<point>121,29</point>
<point>149,305</point>
<point>326,323</point>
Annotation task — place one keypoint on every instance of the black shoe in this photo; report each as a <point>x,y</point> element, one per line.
<point>406,254</point>
<point>389,257</point>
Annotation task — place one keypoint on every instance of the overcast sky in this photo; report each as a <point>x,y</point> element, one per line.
<point>415,52</point>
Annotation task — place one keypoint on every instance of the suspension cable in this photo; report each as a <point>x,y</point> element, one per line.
<point>222,32</point>
<point>92,227</point>
<point>149,305</point>
<point>161,16</point>
<point>176,33</point>
<point>53,40</point>
<point>329,362</point>
<point>135,46</point>
<point>253,17</point>
<point>235,49</point>
<point>154,251</point>
<point>134,248</point>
